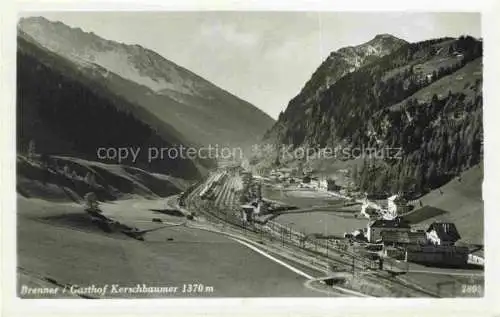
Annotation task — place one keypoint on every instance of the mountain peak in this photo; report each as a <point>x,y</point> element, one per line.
<point>386,39</point>
<point>386,36</point>
<point>347,60</point>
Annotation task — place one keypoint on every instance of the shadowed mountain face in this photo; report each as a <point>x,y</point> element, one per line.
<point>65,112</point>
<point>202,112</point>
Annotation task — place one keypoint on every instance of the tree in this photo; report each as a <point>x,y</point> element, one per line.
<point>355,173</point>
<point>90,179</point>
<point>66,171</point>
<point>381,182</point>
<point>44,160</point>
<point>91,201</point>
<point>418,175</point>
<point>31,150</point>
<point>432,175</point>
<point>407,184</point>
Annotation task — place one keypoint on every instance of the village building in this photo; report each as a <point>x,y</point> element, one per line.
<point>332,186</point>
<point>397,205</point>
<point>323,185</point>
<point>395,238</point>
<point>314,183</point>
<point>247,213</point>
<point>251,210</point>
<point>370,209</point>
<point>443,233</point>
<point>375,228</point>
<point>306,179</point>
<point>437,254</point>
<point>246,177</point>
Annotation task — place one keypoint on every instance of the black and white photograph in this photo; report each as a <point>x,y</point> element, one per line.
<point>249,154</point>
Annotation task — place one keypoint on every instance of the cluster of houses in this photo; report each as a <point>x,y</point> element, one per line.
<point>303,179</point>
<point>398,231</point>
<point>387,227</point>
<point>435,245</point>
<point>313,183</point>
<point>390,208</point>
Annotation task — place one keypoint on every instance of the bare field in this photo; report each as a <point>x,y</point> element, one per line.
<point>300,198</point>
<point>321,220</point>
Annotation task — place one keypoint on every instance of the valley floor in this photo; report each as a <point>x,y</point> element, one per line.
<point>58,243</point>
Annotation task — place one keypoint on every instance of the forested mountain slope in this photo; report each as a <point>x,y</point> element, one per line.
<point>423,99</point>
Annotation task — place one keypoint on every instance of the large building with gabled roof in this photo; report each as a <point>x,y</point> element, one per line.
<point>443,233</point>
<point>375,228</point>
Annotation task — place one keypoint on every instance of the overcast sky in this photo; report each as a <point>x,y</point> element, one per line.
<point>262,57</point>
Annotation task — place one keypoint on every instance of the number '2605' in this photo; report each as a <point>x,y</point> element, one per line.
<point>472,289</point>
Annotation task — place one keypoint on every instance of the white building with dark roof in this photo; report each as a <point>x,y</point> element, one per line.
<point>443,233</point>
<point>396,206</point>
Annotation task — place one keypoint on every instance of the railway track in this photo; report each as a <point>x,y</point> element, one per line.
<point>220,212</point>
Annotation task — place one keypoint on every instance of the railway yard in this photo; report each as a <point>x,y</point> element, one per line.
<point>308,235</point>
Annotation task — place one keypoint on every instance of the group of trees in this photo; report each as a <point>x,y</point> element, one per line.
<point>436,145</point>
<point>50,165</point>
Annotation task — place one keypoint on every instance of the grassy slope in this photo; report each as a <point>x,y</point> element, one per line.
<point>455,82</point>
<point>73,252</point>
<point>114,181</point>
<point>463,204</point>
